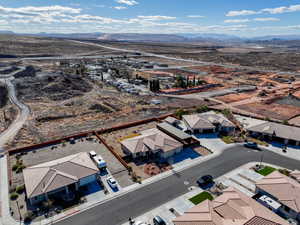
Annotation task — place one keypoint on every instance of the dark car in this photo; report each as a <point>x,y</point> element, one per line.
<point>158,221</point>
<point>252,145</point>
<point>205,180</point>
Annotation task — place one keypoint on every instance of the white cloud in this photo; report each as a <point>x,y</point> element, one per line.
<point>259,19</point>
<point>156,18</point>
<point>237,21</point>
<point>120,7</point>
<point>266,19</point>
<point>127,2</point>
<point>195,16</point>
<point>283,9</point>
<point>278,10</point>
<point>241,13</point>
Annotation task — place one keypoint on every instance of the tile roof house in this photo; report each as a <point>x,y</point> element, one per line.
<point>277,130</point>
<point>51,177</point>
<point>152,141</point>
<point>208,122</point>
<point>231,208</point>
<point>284,190</point>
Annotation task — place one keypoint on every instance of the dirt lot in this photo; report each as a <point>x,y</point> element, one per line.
<point>55,119</point>
<point>236,97</point>
<point>276,111</point>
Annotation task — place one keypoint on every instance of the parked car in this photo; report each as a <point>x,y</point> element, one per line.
<point>112,182</point>
<point>252,145</point>
<point>157,220</point>
<point>205,180</point>
<point>92,154</point>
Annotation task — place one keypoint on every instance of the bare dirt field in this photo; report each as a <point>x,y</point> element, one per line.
<point>276,111</point>
<point>236,97</point>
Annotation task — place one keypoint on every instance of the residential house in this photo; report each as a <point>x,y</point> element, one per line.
<point>209,122</point>
<point>59,177</point>
<point>152,142</point>
<point>276,132</point>
<point>284,190</point>
<point>231,208</point>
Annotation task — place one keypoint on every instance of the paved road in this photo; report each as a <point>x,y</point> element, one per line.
<point>22,116</point>
<point>117,211</point>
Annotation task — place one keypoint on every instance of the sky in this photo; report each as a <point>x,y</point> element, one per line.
<point>246,18</point>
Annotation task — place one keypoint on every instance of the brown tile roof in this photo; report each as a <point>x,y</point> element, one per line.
<point>207,120</point>
<point>277,129</point>
<point>49,176</point>
<point>196,122</point>
<point>151,140</point>
<point>284,188</point>
<point>230,208</point>
<point>260,221</point>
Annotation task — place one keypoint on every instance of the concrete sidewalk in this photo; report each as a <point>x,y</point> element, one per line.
<point>293,152</point>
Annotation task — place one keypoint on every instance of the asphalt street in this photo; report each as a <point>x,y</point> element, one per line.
<point>133,204</point>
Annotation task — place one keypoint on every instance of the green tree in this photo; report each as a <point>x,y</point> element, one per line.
<point>202,109</point>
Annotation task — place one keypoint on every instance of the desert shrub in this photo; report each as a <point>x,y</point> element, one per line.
<point>285,172</point>
<point>202,109</point>
<point>13,196</point>
<point>20,189</point>
<point>20,168</point>
<point>15,167</point>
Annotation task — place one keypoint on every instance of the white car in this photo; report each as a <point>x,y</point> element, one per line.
<point>112,182</point>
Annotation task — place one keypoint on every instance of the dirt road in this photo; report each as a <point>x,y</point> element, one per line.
<point>23,112</point>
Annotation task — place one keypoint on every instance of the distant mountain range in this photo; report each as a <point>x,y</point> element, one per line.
<point>181,37</point>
